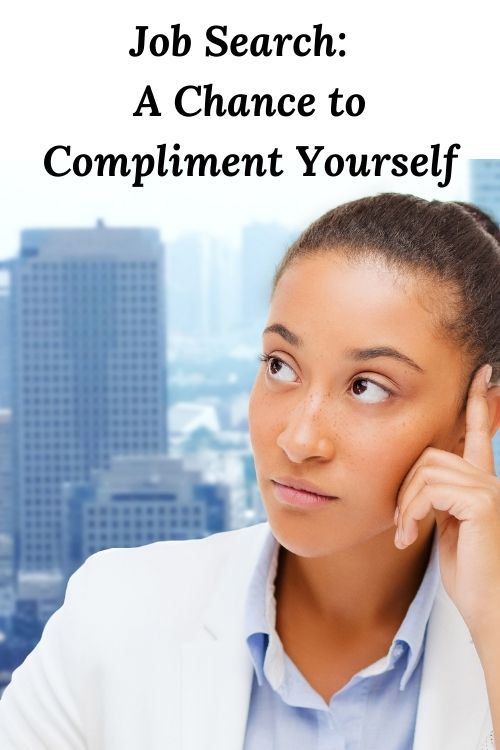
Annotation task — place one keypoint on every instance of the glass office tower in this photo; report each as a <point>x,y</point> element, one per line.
<point>485,185</point>
<point>88,369</point>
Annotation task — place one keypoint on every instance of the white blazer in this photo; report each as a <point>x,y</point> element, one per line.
<point>147,653</point>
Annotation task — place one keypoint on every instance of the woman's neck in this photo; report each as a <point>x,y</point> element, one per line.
<point>350,594</point>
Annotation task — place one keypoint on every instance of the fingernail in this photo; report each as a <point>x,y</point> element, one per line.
<point>487,374</point>
<point>396,515</point>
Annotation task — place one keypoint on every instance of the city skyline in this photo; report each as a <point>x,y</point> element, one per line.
<point>219,215</point>
<point>126,413</point>
<point>88,340</point>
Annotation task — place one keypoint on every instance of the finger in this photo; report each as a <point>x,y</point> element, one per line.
<point>433,474</point>
<point>478,447</point>
<point>463,503</point>
<point>431,457</point>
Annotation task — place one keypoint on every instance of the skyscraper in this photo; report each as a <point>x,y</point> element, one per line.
<point>4,341</point>
<point>139,500</point>
<point>6,510</point>
<point>89,358</point>
<point>203,286</point>
<point>485,192</point>
<point>263,246</point>
<point>485,185</point>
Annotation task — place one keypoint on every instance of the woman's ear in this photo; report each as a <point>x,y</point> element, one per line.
<point>493,397</point>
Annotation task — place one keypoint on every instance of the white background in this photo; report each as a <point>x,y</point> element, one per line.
<point>428,72</point>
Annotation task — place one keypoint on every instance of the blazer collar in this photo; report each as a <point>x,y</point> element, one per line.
<point>217,670</point>
<point>453,703</point>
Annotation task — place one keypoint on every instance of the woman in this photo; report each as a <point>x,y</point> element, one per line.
<point>371,412</point>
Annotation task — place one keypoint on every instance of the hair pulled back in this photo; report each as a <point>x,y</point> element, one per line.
<point>453,243</point>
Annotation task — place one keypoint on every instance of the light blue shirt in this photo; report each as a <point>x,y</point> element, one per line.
<point>375,710</point>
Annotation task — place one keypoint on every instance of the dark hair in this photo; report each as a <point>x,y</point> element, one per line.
<point>454,243</point>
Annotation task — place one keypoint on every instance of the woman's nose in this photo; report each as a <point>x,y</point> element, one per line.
<point>307,433</point>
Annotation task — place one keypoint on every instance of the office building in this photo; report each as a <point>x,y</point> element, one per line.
<point>485,185</point>
<point>263,246</point>
<point>203,284</point>
<point>139,500</point>
<point>485,192</point>
<point>6,500</point>
<point>5,374</point>
<point>88,325</point>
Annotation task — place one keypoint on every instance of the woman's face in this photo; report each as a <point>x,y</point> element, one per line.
<point>351,424</point>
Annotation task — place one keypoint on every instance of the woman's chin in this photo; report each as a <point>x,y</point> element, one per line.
<point>307,539</point>
<point>313,535</point>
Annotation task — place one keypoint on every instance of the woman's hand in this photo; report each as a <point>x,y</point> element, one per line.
<point>465,496</point>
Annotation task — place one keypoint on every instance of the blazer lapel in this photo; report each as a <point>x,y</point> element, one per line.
<point>217,670</point>
<point>217,679</point>
<point>453,703</point>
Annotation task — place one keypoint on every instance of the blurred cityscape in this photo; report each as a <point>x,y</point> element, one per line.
<point>124,380</point>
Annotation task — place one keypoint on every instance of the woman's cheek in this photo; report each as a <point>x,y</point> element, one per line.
<point>387,452</point>
<point>260,415</point>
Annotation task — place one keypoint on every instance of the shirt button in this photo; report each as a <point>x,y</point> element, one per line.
<point>398,650</point>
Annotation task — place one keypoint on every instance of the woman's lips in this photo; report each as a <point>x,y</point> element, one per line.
<point>293,496</point>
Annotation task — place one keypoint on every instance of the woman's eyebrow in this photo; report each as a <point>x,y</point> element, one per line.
<point>382,351</point>
<point>285,333</point>
<point>357,354</point>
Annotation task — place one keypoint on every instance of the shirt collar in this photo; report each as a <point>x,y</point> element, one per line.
<point>260,607</point>
<point>413,628</point>
<point>260,613</point>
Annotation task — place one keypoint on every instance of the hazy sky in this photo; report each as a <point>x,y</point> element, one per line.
<point>215,206</point>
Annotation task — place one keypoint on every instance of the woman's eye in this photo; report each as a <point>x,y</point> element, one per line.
<point>277,369</point>
<point>368,391</point>
<point>376,394</point>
